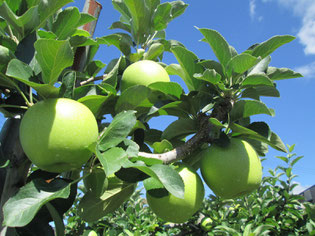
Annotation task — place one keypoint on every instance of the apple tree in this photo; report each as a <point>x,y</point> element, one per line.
<point>48,56</point>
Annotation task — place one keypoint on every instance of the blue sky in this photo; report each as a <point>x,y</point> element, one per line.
<point>244,23</point>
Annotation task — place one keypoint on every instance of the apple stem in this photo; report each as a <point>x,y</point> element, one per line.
<point>204,135</point>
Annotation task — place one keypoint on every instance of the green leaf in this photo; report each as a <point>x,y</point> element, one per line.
<point>209,75</point>
<point>53,57</point>
<point>256,92</point>
<point>68,85</point>
<point>134,98</point>
<point>140,14</point>
<point>22,25</point>
<point>121,25</point>
<point>120,6</point>
<point>163,146</point>
<point>187,67</point>
<point>112,72</point>
<point>178,8</point>
<point>85,18</point>
<point>266,48</point>
<point>296,160</point>
<point>257,80</point>
<point>112,160</point>
<point>179,128</point>
<point>168,88</point>
<point>212,65</point>
<point>120,40</point>
<point>177,108</point>
<point>23,72</point>
<point>58,221</point>
<point>170,179</point>
<point>218,44</point>
<point>261,67</point>
<point>162,16</point>
<point>274,141</point>
<point>94,67</point>
<point>241,63</point>
<point>66,23</point>
<point>92,208</point>
<point>20,209</point>
<point>247,108</point>
<point>118,130</point>
<point>48,8</point>
<point>282,73</point>
<point>154,51</point>
<point>5,56</point>
<point>94,103</point>
<point>217,123</point>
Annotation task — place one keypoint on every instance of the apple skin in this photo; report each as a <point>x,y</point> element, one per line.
<point>232,171</point>
<point>177,210</point>
<point>144,73</point>
<point>55,134</point>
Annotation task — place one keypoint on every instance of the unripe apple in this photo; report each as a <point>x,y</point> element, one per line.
<point>177,210</point>
<point>55,134</point>
<point>231,171</point>
<point>143,72</point>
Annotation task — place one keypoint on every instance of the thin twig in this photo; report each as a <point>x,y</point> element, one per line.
<point>92,79</point>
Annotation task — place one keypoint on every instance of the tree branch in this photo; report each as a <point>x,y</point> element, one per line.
<point>93,8</point>
<point>205,134</point>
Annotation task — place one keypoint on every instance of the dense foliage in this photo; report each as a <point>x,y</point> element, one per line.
<point>273,209</point>
<point>47,51</point>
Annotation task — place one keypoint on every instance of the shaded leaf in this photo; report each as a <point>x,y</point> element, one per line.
<point>282,73</point>
<point>179,128</point>
<point>118,130</point>
<point>20,209</point>
<point>92,208</point>
<point>247,108</point>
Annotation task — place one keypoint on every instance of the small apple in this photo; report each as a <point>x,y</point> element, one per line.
<point>89,233</point>
<point>143,72</point>
<point>177,210</point>
<point>232,171</point>
<point>55,134</point>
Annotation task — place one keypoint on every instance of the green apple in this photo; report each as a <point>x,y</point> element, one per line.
<point>143,72</point>
<point>206,224</point>
<point>232,171</point>
<point>177,210</point>
<point>89,233</point>
<point>55,134</point>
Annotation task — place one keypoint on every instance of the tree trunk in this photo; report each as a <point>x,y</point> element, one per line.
<point>14,175</point>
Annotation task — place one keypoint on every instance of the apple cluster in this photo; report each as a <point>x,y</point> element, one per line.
<point>56,135</point>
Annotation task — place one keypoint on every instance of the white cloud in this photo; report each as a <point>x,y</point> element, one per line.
<point>305,9</point>
<point>252,10</point>
<point>299,188</point>
<point>307,71</point>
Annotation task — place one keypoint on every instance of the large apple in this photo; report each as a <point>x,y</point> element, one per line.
<point>55,134</point>
<point>231,171</point>
<point>143,73</point>
<point>177,210</point>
